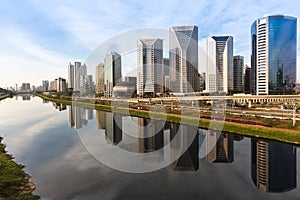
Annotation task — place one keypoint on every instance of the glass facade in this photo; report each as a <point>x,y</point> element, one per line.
<point>282,54</point>
<point>273,60</point>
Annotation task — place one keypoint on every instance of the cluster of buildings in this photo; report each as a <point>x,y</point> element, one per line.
<point>272,71</point>
<point>273,62</point>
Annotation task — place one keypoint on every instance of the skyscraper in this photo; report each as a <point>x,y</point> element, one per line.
<point>273,59</point>
<point>238,73</point>
<point>74,73</point>
<point>112,72</point>
<point>70,76</point>
<point>100,79</point>
<point>150,67</point>
<point>247,79</point>
<point>183,59</point>
<point>219,64</point>
<point>86,83</point>
<point>45,84</point>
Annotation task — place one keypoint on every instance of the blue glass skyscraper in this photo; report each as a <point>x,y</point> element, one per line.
<point>274,51</point>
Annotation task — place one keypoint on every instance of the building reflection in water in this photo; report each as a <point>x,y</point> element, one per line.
<point>273,166</point>
<point>60,106</point>
<point>113,127</point>
<point>100,119</point>
<point>219,147</point>
<point>78,117</point>
<point>184,147</point>
<point>45,101</point>
<point>150,135</point>
<point>26,97</point>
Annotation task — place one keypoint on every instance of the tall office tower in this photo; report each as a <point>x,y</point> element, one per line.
<point>219,147</point>
<point>219,64</point>
<point>86,84</point>
<point>45,84</point>
<point>112,72</point>
<point>247,79</point>
<point>113,128</point>
<point>100,79</point>
<point>273,59</point>
<point>273,166</point>
<point>76,86</point>
<point>60,84</point>
<point>150,67</point>
<point>183,59</point>
<point>79,70</point>
<point>238,73</point>
<point>150,135</point>
<point>70,76</point>
<point>184,147</point>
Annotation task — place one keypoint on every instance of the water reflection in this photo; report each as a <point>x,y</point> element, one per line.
<point>78,117</point>
<point>113,128</point>
<point>68,171</point>
<point>189,160</point>
<point>59,106</point>
<point>219,147</point>
<point>150,135</point>
<point>273,166</point>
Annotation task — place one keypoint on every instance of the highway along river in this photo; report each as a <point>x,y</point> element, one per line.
<point>76,153</point>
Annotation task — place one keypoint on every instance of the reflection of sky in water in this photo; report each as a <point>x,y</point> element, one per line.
<point>38,136</point>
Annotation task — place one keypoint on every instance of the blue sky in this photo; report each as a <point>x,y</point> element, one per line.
<point>39,38</point>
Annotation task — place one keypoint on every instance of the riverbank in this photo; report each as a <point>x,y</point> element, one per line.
<point>258,131</point>
<point>14,182</point>
<point>5,96</point>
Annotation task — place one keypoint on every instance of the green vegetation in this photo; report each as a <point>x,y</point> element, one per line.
<point>260,130</point>
<point>14,182</point>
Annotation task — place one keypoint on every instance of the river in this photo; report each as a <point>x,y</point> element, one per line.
<point>77,153</point>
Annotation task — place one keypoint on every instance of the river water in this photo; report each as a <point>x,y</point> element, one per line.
<point>76,153</point>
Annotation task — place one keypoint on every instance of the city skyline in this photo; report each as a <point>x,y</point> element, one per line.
<point>41,51</point>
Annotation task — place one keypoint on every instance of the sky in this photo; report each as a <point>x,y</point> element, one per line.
<point>39,38</point>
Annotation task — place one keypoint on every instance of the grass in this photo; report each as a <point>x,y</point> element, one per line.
<point>280,133</point>
<point>14,182</point>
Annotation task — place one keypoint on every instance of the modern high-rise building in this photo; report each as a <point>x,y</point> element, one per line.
<point>45,84</point>
<point>74,73</point>
<point>273,59</point>
<point>60,84</point>
<point>219,64</point>
<point>238,73</point>
<point>247,79</point>
<point>100,79</point>
<point>183,59</point>
<point>150,67</point>
<point>70,76</point>
<point>86,84</point>
<point>273,166</point>
<point>25,87</point>
<point>112,72</point>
